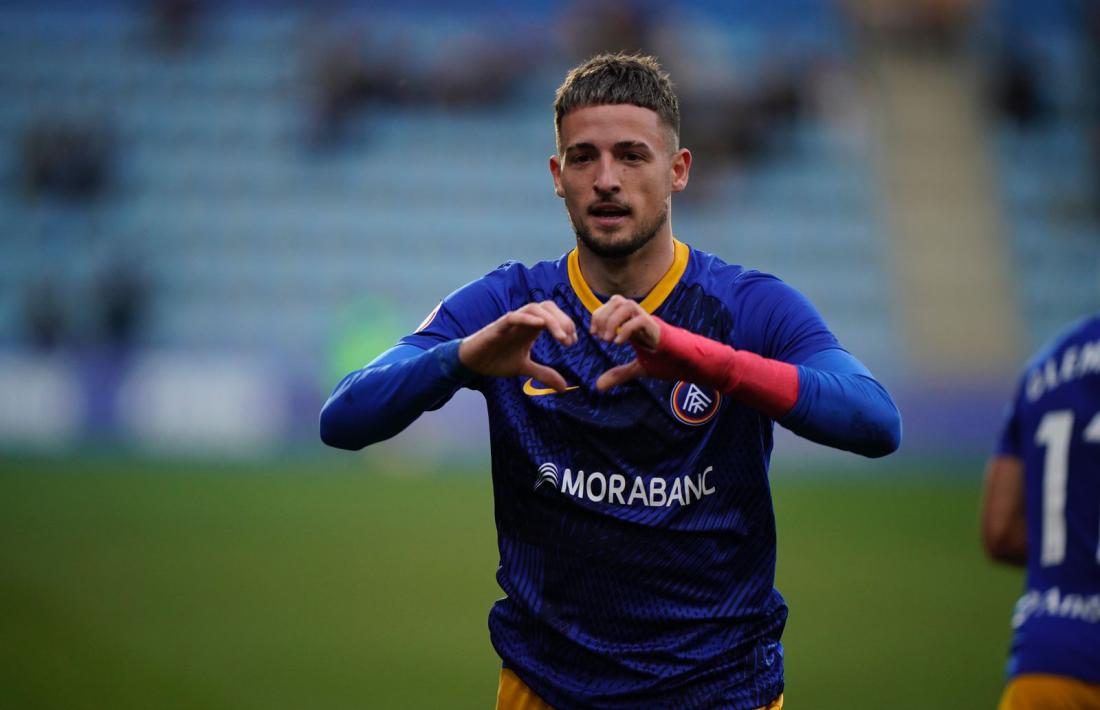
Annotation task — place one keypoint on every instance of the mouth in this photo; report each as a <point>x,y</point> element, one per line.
<point>609,214</point>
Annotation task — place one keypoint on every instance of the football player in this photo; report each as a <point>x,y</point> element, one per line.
<point>632,387</point>
<point>1041,510</point>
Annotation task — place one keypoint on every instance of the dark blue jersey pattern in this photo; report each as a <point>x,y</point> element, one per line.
<point>1054,427</point>
<point>635,526</point>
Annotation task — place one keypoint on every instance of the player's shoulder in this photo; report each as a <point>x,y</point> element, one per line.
<point>482,300</point>
<point>767,315</point>
<point>539,271</point>
<point>1084,332</point>
<point>1070,356</point>
<point>512,282</point>
<point>735,283</point>
<point>507,274</point>
<point>546,274</point>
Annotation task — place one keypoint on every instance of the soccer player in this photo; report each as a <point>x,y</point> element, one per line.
<point>1041,509</point>
<point>632,388</point>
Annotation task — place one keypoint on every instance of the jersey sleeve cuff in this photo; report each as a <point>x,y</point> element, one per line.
<point>446,354</point>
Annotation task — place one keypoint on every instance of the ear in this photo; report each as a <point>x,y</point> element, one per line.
<point>555,171</point>
<point>681,166</point>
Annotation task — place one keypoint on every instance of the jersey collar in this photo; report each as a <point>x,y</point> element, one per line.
<point>653,300</point>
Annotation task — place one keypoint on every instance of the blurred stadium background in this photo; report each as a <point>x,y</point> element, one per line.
<point>210,211</point>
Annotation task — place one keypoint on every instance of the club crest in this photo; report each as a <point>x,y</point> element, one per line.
<point>694,405</point>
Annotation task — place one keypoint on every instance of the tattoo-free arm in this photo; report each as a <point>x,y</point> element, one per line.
<point>380,400</point>
<point>1004,524</point>
<point>841,405</point>
<point>384,397</point>
<point>830,398</point>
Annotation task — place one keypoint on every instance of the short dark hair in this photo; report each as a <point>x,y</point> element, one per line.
<point>619,78</point>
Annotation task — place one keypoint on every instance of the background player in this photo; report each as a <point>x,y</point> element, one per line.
<point>630,445</point>
<point>1041,509</point>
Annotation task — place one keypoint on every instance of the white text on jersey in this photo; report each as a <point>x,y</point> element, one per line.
<point>617,489</point>
<point>1076,362</point>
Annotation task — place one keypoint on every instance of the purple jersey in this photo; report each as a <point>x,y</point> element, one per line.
<point>1054,427</point>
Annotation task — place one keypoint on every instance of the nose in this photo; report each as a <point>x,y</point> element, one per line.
<point>607,177</point>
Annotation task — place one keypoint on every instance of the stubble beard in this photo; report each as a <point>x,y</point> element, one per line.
<point>644,235</point>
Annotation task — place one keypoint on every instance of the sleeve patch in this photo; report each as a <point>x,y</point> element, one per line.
<point>431,316</point>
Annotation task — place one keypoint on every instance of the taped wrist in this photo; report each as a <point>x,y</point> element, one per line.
<point>768,385</point>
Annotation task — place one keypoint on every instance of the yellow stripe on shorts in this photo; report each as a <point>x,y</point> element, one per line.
<point>513,694</point>
<point>1038,691</point>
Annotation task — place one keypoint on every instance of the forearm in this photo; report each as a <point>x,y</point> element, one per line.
<point>1003,516</point>
<point>844,409</point>
<point>1012,548</point>
<point>767,385</point>
<point>832,399</point>
<point>380,400</point>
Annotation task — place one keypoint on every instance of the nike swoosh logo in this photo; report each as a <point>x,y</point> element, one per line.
<point>530,390</point>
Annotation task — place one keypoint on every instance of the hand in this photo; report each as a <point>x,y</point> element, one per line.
<point>503,348</point>
<point>621,320</point>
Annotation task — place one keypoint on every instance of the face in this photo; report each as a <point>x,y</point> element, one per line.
<point>617,172</point>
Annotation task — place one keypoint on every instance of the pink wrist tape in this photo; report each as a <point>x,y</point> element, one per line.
<point>768,385</point>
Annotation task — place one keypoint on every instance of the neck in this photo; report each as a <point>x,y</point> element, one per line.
<point>632,276</point>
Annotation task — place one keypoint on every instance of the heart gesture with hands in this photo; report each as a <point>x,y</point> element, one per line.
<point>622,320</point>
<point>503,348</point>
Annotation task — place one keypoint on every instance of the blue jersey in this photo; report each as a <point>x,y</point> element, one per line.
<point>635,526</point>
<point>1054,427</point>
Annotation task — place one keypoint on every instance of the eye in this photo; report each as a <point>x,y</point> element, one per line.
<point>632,157</point>
<point>580,158</point>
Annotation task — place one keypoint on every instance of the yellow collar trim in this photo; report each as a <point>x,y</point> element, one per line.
<point>655,297</point>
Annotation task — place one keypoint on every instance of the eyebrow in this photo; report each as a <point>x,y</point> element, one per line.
<point>621,145</point>
<point>624,145</point>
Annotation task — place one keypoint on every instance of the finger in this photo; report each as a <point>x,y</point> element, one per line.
<point>601,313</point>
<point>615,312</point>
<point>618,317</point>
<point>521,319</point>
<point>525,318</point>
<point>546,375</point>
<point>567,323</point>
<point>513,332</point>
<point>620,375</point>
<point>549,322</point>
<point>641,330</point>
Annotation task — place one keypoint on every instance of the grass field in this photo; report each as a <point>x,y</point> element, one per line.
<point>131,584</point>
